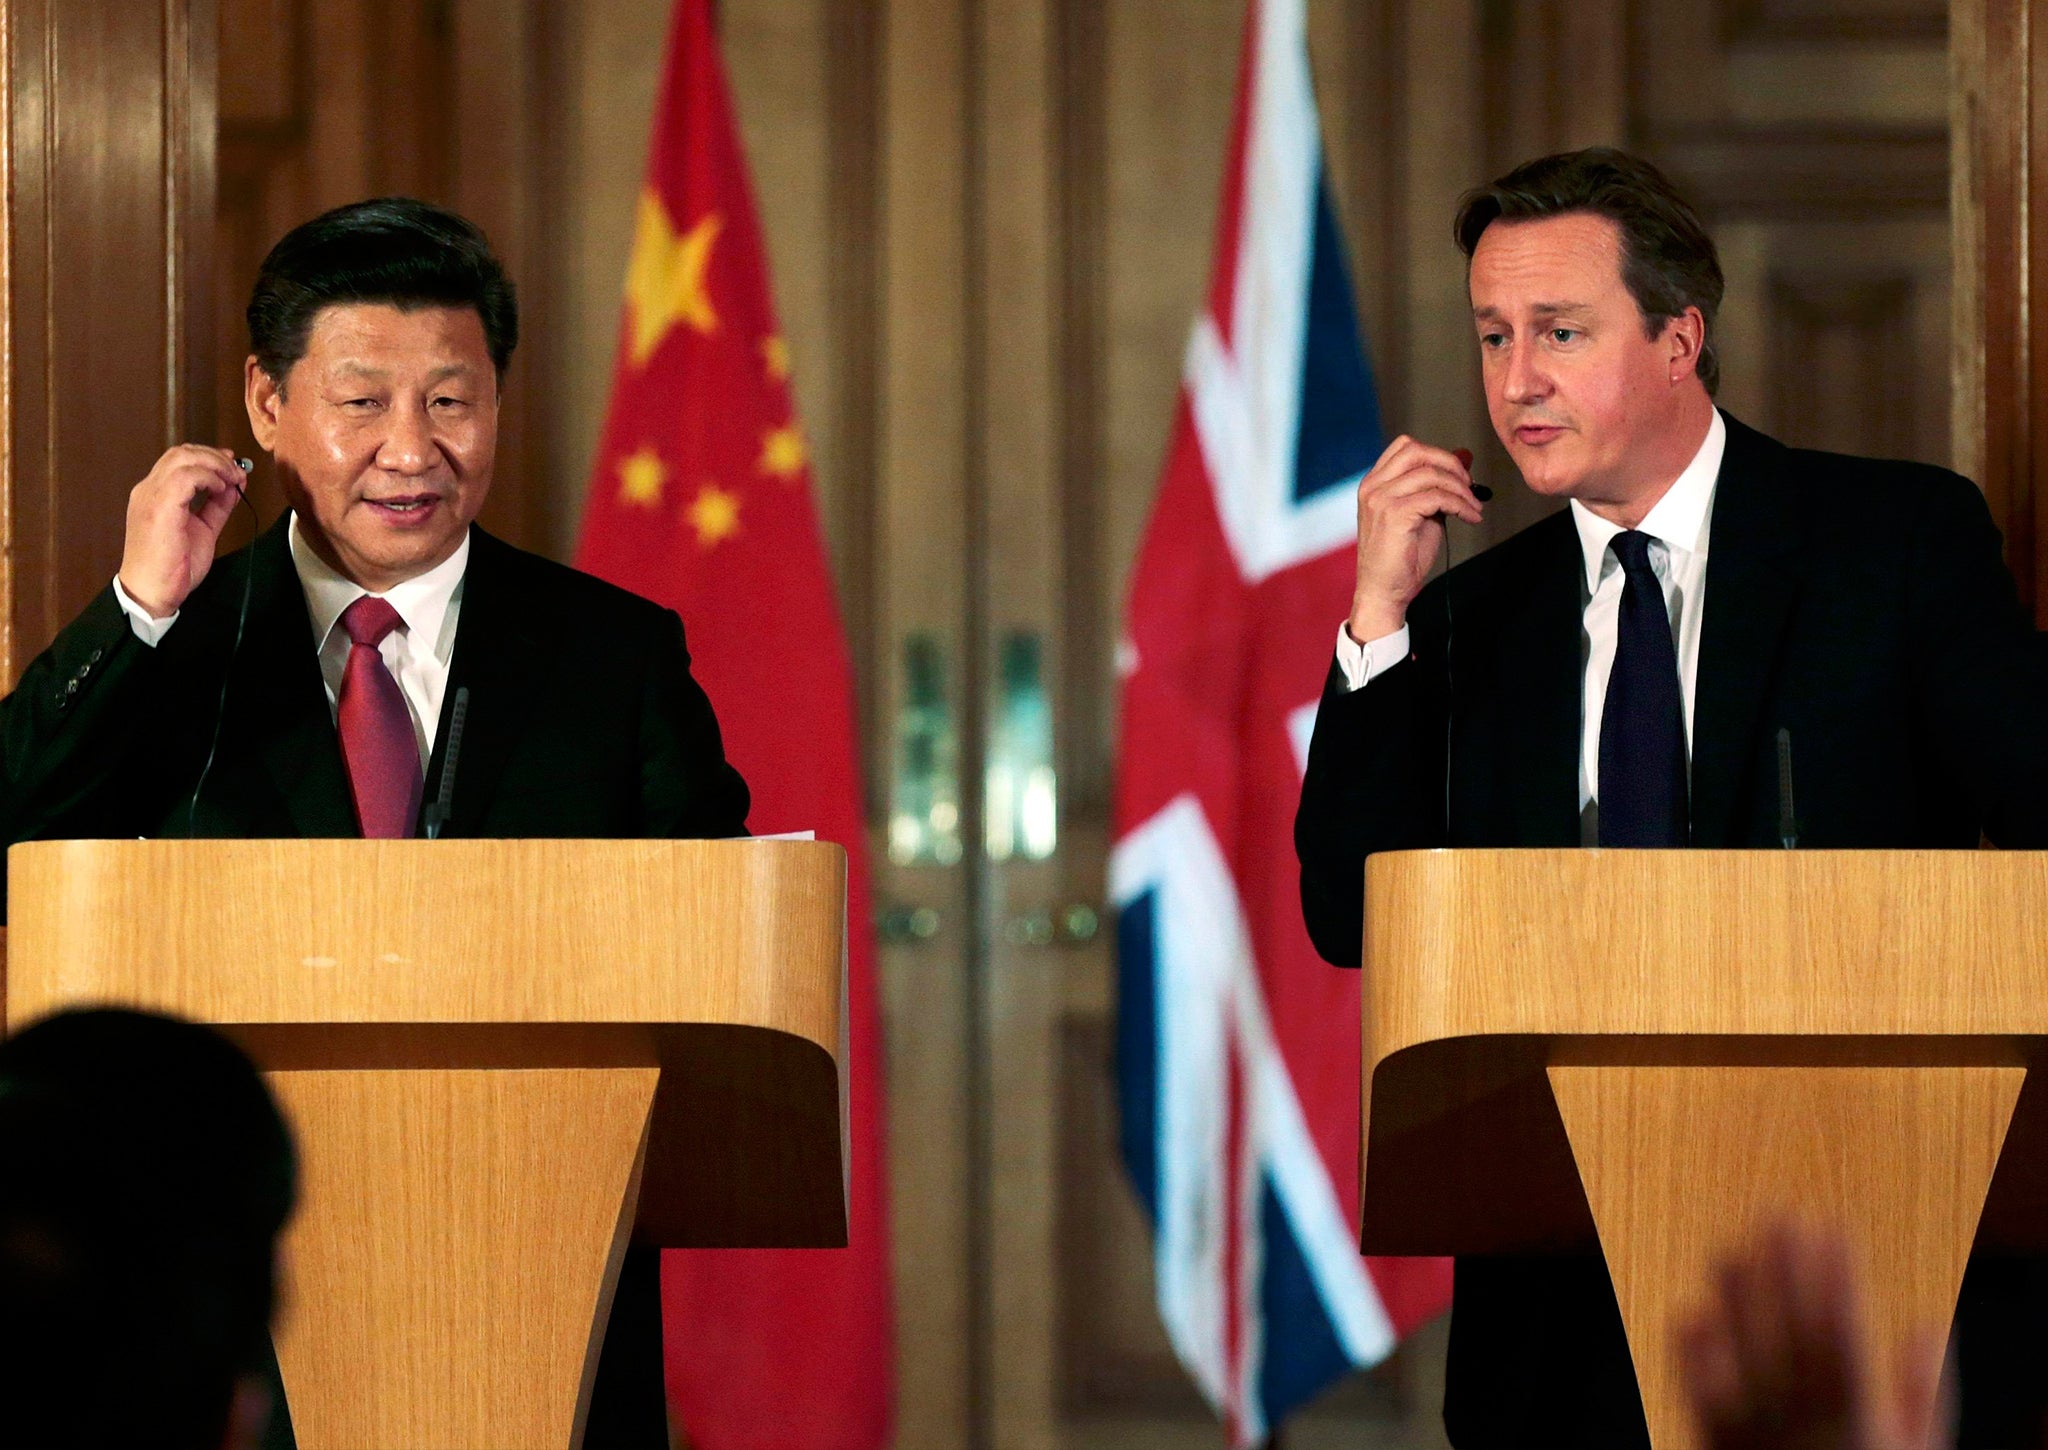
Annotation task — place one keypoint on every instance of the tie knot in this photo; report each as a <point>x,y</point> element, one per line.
<point>369,619</point>
<point>1632,550</point>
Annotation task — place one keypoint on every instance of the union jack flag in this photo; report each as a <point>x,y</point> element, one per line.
<point>1238,1048</point>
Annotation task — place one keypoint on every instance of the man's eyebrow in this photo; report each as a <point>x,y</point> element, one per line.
<point>354,369</point>
<point>1490,313</point>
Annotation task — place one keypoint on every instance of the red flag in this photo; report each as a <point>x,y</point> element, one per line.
<point>701,500</point>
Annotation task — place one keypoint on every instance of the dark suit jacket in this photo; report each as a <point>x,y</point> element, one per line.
<point>1861,605</point>
<point>583,718</point>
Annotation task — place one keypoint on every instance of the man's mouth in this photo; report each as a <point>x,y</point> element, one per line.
<point>404,506</point>
<point>1537,432</point>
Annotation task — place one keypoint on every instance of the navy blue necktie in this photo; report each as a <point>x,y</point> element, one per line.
<point>1643,794</point>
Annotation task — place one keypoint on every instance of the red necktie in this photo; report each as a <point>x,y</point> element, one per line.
<point>376,731</point>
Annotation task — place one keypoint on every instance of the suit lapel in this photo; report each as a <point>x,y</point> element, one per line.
<point>494,650</point>
<point>1540,672</point>
<point>283,702</point>
<point>1757,535</point>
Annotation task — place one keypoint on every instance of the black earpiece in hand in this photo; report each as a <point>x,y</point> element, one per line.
<point>1479,490</point>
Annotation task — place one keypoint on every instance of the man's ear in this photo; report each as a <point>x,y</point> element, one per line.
<point>1684,337</point>
<point>261,395</point>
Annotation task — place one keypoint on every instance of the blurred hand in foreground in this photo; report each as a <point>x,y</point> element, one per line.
<point>1777,1359</point>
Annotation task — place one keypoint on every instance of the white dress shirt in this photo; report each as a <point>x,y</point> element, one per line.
<point>417,655</point>
<point>1678,526</point>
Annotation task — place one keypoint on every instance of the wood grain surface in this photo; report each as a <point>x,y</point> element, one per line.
<point>459,1237</point>
<point>718,961</point>
<point>743,932</point>
<point>499,1057</point>
<point>1684,1164</point>
<point>1669,1047</point>
<point>1483,967</point>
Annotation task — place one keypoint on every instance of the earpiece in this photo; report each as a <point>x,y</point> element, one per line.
<point>1479,490</point>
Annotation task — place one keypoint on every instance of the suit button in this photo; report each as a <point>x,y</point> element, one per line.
<point>71,686</point>
<point>94,657</point>
<point>85,669</point>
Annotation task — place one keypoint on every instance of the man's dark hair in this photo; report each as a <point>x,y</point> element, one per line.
<point>409,254</point>
<point>1668,261</point>
<point>147,1176</point>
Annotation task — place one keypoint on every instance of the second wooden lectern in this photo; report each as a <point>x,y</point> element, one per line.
<point>502,1059</point>
<point>1668,1047</point>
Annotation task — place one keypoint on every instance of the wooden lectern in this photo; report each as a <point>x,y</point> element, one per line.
<point>502,1059</point>
<point>1671,1046</point>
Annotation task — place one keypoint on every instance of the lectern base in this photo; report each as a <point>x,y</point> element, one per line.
<point>456,1247</point>
<point>1681,1164</point>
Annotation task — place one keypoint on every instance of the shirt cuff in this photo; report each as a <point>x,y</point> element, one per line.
<point>150,631</point>
<point>1364,663</point>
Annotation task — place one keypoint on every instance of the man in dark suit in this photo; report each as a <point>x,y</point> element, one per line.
<point>1622,672</point>
<point>309,684</point>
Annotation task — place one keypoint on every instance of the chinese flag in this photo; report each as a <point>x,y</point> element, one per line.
<point>701,500</point>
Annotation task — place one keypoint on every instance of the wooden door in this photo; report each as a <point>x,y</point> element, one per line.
<point>989,223</point>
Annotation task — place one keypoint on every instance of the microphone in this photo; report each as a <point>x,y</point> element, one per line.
<point>220,706</point>
<point>444,802</point>
<point>1788,821</point>
<point>1485,495</point>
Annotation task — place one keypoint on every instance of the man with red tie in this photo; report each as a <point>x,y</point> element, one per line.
<point>315,683</point>
<point>379,334</point>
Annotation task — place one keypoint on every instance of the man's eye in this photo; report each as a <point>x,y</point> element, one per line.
<point>1563,334</point>
<point>360,403</point>
<point>451,402</point>
<point>1492,339</point>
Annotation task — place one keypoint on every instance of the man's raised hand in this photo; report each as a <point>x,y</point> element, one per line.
<point>1776,1358</point>
<point>175,517</point>
<point>1402,505</point>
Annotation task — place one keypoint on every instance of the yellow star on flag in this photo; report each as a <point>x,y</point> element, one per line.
<point>783,454</point>
<point>665,281</point>
<point>641,476</point>
<point>715,514</point>
<point>775,357</point>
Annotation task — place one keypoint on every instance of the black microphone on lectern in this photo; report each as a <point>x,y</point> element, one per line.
<point>1788,816</point>
<point>444,801</point>
<point>1485,495</point>
<point>220,706</point>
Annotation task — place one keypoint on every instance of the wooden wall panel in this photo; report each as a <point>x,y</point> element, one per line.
<point>1999,124</point>
<point>110,145</point>
<point>489,134</point>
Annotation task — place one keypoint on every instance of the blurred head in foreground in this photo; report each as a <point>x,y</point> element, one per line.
<point>146,1176</point>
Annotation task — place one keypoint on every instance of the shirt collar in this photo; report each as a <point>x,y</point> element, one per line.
<point>1678,520</point>
<point>421,601</point>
